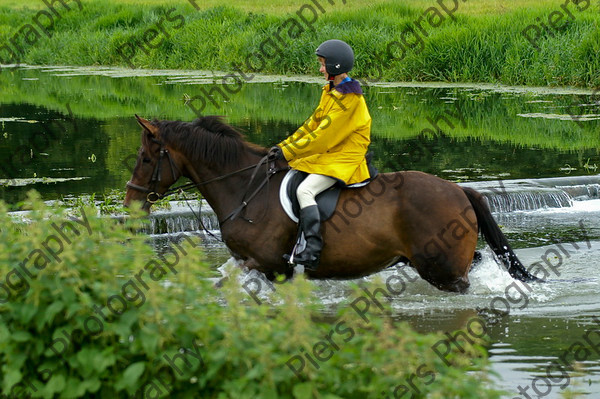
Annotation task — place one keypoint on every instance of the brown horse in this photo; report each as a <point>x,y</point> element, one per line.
<point>411,216</point>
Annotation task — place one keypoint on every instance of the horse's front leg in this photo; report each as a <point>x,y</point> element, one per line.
<point>251,264</point>
<point>247,264</point>
<point>270,274</point>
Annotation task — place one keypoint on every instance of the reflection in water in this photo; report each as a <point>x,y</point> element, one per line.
<point>82,126</point>
<point>57,155</point>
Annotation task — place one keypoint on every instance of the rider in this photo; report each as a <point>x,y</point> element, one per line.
<point>331,145</point>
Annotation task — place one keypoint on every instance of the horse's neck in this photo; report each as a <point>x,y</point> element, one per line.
<point>223,195</point>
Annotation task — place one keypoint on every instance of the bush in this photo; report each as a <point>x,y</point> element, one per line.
<point>106,316</point>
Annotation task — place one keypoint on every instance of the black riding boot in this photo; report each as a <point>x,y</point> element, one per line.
<point>310,223</point>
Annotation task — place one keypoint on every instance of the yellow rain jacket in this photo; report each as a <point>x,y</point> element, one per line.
<point>334,140</point>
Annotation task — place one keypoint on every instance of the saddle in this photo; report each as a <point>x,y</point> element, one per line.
<point>326,201</point>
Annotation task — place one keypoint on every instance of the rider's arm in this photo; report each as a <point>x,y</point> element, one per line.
<point>331,129</point>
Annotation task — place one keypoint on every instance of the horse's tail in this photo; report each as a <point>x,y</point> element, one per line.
<point>495,238</point>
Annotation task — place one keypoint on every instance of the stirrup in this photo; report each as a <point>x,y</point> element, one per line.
<point>308,265</point>
<point>311,267</point>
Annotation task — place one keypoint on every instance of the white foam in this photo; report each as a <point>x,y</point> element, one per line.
<point>577,207</point>
<point>488,277</point>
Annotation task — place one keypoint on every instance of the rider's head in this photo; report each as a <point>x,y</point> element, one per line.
<point>338,57</point>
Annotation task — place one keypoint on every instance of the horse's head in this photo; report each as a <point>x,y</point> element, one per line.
<point>155,171</point>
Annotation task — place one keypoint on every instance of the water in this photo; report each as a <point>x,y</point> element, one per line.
<point>530,328</point>
<point>63,123</point>
<point>534,154</point>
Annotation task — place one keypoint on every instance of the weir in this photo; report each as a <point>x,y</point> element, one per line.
<point>532,194</point>
<point>180,218</point>
<point>503,196</point>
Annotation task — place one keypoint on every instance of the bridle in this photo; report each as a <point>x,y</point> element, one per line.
<point>153,196</point>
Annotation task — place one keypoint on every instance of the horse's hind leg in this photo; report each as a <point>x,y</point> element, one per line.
<point>477,258</point>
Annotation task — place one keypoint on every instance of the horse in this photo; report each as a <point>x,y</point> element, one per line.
<point>428,222</point>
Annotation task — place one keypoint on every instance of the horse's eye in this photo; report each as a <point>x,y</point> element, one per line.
<point>146,160</point>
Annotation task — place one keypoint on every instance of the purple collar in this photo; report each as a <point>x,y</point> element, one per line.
<point>349,86</point>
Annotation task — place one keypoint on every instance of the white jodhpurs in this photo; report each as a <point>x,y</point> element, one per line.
<point>311,187</point>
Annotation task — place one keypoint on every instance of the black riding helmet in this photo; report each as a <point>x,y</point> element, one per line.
<point>339,57</point>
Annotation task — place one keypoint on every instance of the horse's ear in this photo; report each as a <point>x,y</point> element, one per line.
<point>149,127</point>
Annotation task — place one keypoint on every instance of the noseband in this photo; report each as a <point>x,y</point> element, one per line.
<point>152,196</point>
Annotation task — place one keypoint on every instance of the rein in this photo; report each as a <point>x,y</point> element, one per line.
<point>152,196</point>
<point>193,185</point>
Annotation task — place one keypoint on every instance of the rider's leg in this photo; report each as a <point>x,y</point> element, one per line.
<point>310,221</point>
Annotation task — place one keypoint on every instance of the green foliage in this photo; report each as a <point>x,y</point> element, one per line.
<point>233,348</point>
<point>41,349</point>
<point>483,47</point>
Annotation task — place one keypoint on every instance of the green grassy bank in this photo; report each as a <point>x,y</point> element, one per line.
<point>479,41</point>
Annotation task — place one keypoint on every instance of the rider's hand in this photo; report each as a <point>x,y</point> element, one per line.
<point>275,154</point>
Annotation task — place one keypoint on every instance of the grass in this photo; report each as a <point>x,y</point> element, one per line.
<point>482,44</point>
<point>282,7</point>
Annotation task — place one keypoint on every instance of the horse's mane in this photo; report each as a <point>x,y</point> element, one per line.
<point>207,138</point>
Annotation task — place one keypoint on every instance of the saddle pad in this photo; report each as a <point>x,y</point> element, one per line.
<point>326,201</point>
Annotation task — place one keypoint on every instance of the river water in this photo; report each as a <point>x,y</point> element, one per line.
<point>69,132</point>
